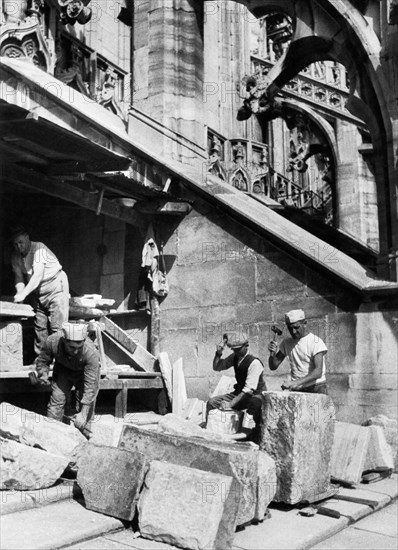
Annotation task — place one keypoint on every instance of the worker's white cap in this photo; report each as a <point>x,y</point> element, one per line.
<point>294,316</point>
<point>74,331</point>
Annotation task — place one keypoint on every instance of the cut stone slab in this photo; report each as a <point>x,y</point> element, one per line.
<point>350,448</point>
<point>237,460</point>
<point>16,501</point>
<point>379,455</point>
<point>298,434</point>
<point>194,410</point>
<point>178,502</point>
<point>25,468</point>
<point>266,485</point>
<point>106,430</point>
<point>142,418</point>
<point>55,526</point>
<point>174,424</point>
<point>111,480</point>
<point>36,430</point>
<point>11,358</point>
<point>390,428</point>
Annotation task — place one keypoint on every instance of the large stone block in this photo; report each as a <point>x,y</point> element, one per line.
<point>266,484</point>
<point>111,479</point>
<point>187,507</point>
<point>237,460</point>
<point>25,468</point>
<point>36,430</point>
<point>297,432</point>
<point>379,455</point>
<point>390,428</point>
<point>11,358</point>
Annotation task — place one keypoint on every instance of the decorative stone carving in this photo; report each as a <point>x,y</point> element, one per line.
<point>106,96</point>
<point>22,34</point>
<point>75,10</point>
<point>68,66</point>
<point>215,165</point>
<point>393,13</point>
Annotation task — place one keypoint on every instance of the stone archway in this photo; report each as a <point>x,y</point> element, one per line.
<point>336,30</point>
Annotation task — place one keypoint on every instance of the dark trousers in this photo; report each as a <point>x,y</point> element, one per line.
<point>63,381</point>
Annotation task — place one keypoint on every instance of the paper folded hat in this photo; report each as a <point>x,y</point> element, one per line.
<point>294,316</point>
<point>74,331</point>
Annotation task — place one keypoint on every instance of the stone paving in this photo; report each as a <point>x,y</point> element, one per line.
<point>67,524</point>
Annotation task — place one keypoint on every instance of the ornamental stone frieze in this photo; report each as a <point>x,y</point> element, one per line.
<point>22,33</point>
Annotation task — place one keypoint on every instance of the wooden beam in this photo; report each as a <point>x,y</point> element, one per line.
<point>50,186</point>
<point>169,207</point>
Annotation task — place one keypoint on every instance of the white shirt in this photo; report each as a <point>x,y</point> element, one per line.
<point>300,354</point>
<point>253,372</point>
<point>39,253</point>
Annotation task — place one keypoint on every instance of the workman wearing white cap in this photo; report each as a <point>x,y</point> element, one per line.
<point>306,354</point>
<point>249,375</point>
<point>76,364</point>
<point>39,275</point>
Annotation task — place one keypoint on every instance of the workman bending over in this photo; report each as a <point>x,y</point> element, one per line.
<point>250,382</point>
<point>38,273</point>
<point>76,365</point>
<point>306,354</point>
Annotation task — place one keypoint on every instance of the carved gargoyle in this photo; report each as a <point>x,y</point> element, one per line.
<point>75,10</point>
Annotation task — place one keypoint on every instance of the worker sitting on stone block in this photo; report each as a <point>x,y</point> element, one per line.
<point>76,364</point>
<point>306,354</point>
<point>250,382</point>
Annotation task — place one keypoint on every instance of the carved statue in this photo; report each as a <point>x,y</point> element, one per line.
<point>75,10</point>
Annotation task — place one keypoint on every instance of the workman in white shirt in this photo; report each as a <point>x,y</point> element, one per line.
<point>249,375</point>
<point>306,354</point>
<point>39,274</point>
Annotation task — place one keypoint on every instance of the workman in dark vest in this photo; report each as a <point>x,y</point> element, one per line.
<point>249,375</point>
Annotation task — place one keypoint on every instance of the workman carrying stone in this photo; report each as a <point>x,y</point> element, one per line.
<point>38,273</point>
<point>249,375</point>
<point>76,364</point>
<point>306,354</point>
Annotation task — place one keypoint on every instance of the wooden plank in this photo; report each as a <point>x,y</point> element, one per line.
<point>119,334</point>
<point>50,186</point>
<point>136,383</point>
<point>22,385</point>
<point>179,389</point>
<point>127,356</point>
<point>121,401</point>
<point>167,373</point>
<point>138,354</point>
<point>100,347</point>
<point>349,452</point>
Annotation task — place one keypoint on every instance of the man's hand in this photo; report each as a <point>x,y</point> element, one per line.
<point>288,385</point>
<point>273,347</point>
<point>80,421</point>
<point>19,297</point>
<point>225,405</point>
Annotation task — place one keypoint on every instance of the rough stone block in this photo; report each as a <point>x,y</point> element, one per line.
<point>390,428</point>
<point>106,430</point>
<point>298,434</point>
<point>178,502</point>
<point>11,358</point>
<point>266,484</point>
<point>379,455</point>
<point>174,424</point>
<point>349,452</point>
<point>111,479</point>
<point>25,468</point>
<point>237,460</point>
<point>36,430</point>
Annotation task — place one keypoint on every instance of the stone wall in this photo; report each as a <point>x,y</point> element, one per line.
<point>225,278</point>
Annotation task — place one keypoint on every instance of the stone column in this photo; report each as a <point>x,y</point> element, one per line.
<point>168,65</point>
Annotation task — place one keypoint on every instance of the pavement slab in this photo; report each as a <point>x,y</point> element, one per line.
<point>381,522</point>
<point>287,530</point>
<point>55,526</point>
<point>388,486</point>
<point>17,501</point>
<point>120,540</point>
<point>356,539</point>
<point>351,510</point>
